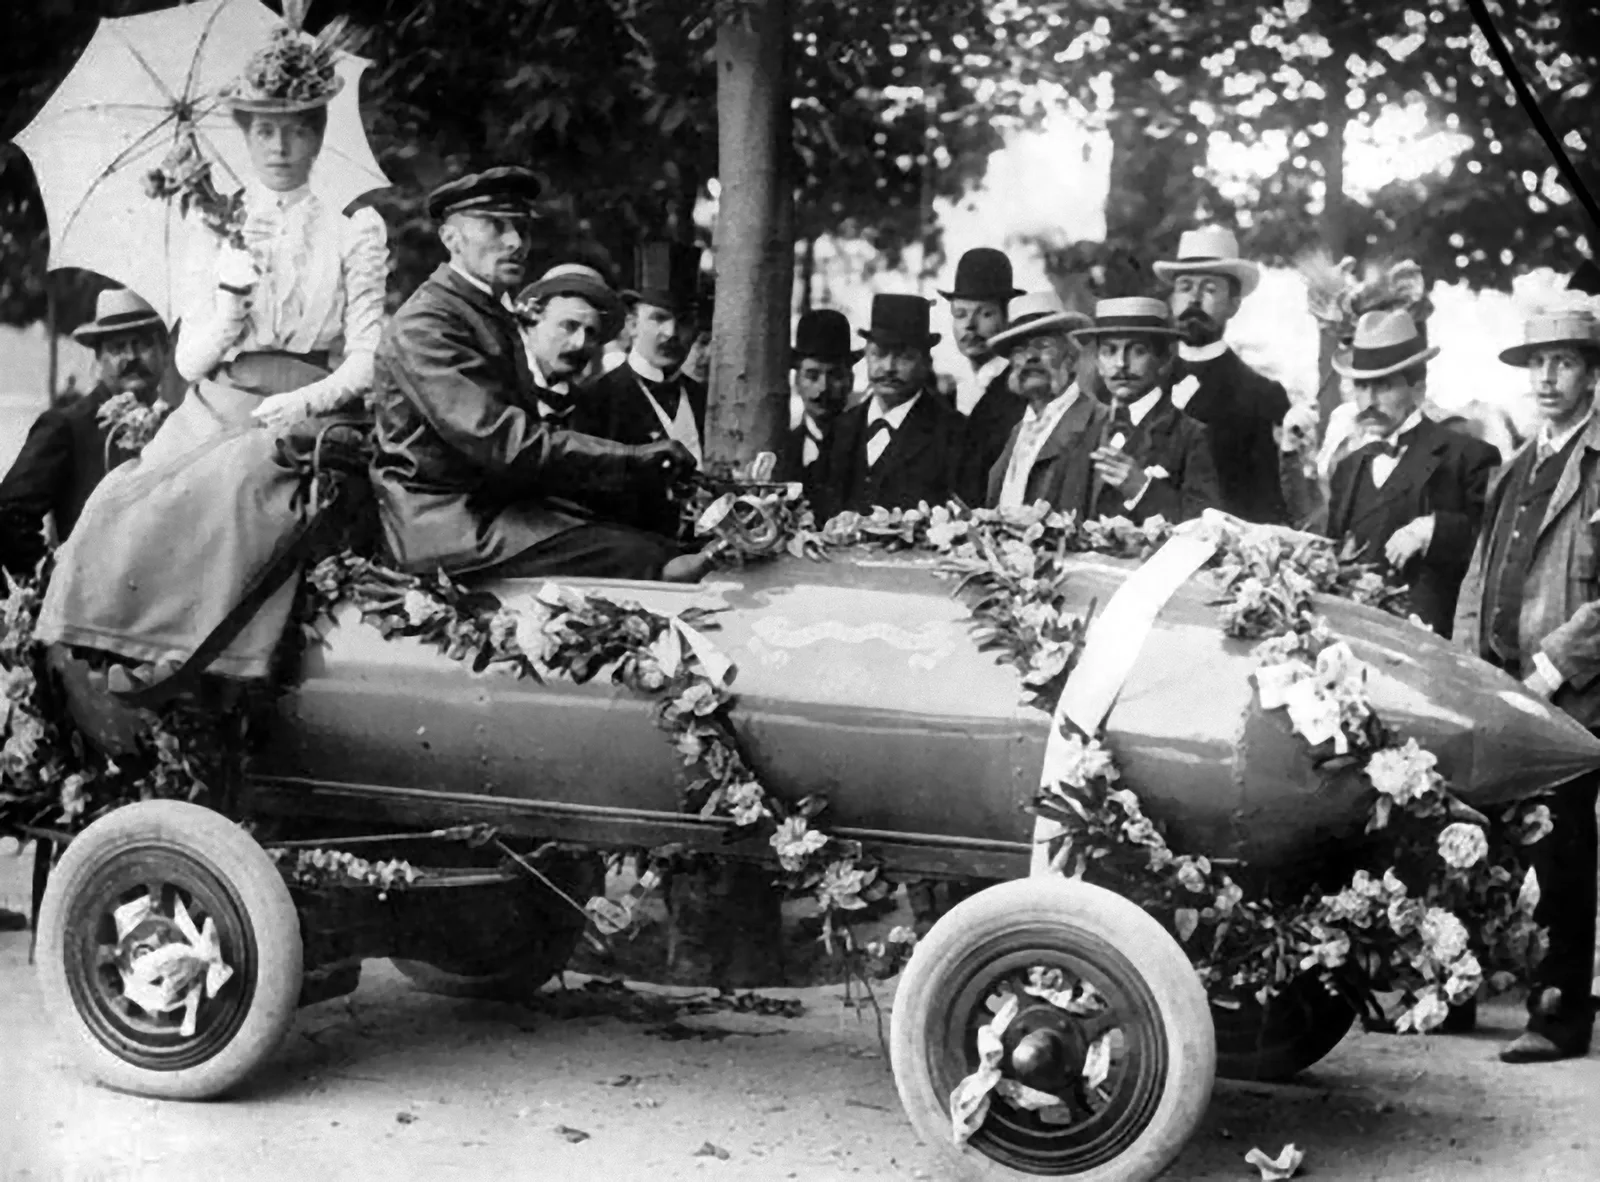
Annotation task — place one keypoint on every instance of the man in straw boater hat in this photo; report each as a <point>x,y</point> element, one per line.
<point>569,312</point>
<point>65,454</point>
<point>1240,407</point>
<point>904,444</point>
<point>1152,460</point>
<point>1048,455</point>
<point>1412,495</point>
<point>465,473</point>
<point>979,298</point>
<point>824,378</point>
<point>1529,604</point>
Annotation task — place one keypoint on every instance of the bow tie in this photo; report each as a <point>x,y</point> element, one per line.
<point>1390,447</point>
<point>879,427</point>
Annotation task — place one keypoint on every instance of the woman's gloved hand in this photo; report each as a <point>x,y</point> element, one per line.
<point>236,271</point>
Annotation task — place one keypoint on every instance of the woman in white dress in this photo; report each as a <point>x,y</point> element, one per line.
<point>274,332</point>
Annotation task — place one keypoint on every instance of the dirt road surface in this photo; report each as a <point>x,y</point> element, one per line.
<point>605,1082</point>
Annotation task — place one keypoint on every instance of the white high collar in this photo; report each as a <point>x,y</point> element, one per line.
<point>1202,352</point>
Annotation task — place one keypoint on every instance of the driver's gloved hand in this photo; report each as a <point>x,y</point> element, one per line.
<point>665,461</point>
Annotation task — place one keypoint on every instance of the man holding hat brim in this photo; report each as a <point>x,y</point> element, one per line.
<point>65,454</point>
<point>1412,495</point>
<point>1531,604</point>
<point>979,298</point>
<point>465,473</point>
<point>1240,407</point>
<point>824,378</point>
<point>903,445</point>
<point>1152,460</point>
<point>569,312</point>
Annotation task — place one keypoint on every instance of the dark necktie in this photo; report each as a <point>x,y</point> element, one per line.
<point>878,427</point>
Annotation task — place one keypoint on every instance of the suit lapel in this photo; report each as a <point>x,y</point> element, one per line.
<point>1071,432</point>
<point>1572,474</point>
<point>1416,466</point>
<point>913,438</point>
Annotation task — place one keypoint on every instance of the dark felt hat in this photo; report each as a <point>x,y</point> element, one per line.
<point>1586,278</point>
<point>506,189</point>
<point>666,275</point>
<point>825,335</point>
<point>900,320</point>
<point>983,273</point>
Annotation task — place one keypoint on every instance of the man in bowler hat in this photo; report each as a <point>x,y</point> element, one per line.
<point>979,298</point>
<point>569,312</point>
<point>904,444</point>
<point>65,453</point>
<point>1530,604</point>
<point>824,378</point>
<point>1412,496</point>
<point>468,479</point>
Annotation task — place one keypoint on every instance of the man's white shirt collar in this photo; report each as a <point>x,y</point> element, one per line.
<point>1037,427</point>
<point>895,415</point>
<point>1138,411</point>
<point>644,369</point>
<point>472,279</point>
<point>539,379</point>
<point>1202,352</point>
<point>972,387</point>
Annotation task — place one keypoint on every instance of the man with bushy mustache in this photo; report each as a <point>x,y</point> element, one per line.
<point>569,312</point>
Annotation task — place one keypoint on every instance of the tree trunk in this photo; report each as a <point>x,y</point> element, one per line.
<point>1334,233</point>
<point>755,236</point>
<point>808,272</point>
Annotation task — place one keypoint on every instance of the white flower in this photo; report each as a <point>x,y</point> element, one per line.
<point>1466,977</point>
<point>420,607</point>
<point>1078,762</point>
<point>1462,845</point>
<point>1430,1010</point>
<point>1534,825</point>
<point>1192,874</point>
<point>1528,895</point>
<point>747,802</point>
<point>1403,773</point>
<point>795,841</point>
<point>1019,558</point>
<point>1443,935</point>
<point>1329,954</point>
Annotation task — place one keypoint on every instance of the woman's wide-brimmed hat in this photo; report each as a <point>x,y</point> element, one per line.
<point>1385,343</point>
<point>1211,250</point>
<point>1129,316</point>
<point>900,321</point>
<point>117,310</point>
<point>292,73</point>
<point>1573,326</point>
<point>824,334</point>
<point>1036,313</point>
<point>983,273</point>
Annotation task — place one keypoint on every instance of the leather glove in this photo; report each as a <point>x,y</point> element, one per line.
<point>665,460</point>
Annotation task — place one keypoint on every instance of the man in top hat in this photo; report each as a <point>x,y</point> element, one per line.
<point>1153,460</point>
<point>466,475</point>
<point>570,312</point>
<point>65,453</point>
<point>1048,455</point>
<point>1239,406</point>
<point>824,378</point>
<point>903,445</point>
<point>982,291</point>
<point>1411,497</point>
<point>1529,604</point>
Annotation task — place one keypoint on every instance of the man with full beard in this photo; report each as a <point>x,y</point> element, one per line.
<point>1240,407</point>
<point>569,313</point>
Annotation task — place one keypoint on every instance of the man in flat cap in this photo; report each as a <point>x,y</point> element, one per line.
<point>1411,496</point>
<point>65,454</point>
<point>468,479</point>
<point>569,313</point>
<point>824,378</point>
<point>1530,603</point>
<point>905,444</point>
<point>979,297</point>
<point>1240,407</point>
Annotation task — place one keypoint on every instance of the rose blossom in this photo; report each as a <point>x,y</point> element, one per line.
<point>1463,845</point>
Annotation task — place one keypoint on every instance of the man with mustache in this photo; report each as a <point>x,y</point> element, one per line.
<point>1239,407</point>
<point>903,445</point>
<point>824,378</point>
<point>65,454</point>
<point>978,299</point>
<point>570,311</point>
<point>1411,497</point>
<point>1531,604</point>
<point>1153,460</point>
<point>468,479</point>
<point>648,398</point>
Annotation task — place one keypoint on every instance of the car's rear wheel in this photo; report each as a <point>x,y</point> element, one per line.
<point>510,954</point>
<point>130,886</point>
<point>1295,1029</point>
<point>1133,1071</point>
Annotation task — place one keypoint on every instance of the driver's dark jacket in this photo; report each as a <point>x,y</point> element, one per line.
<point>463,468</point>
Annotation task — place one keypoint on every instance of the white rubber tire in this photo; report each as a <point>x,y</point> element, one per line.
<point>1065,908</point>
<point>233,857</point>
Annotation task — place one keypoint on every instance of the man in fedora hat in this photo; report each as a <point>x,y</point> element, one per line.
<point>1411,496</point>
<point>904,444</point>
<point>466,475</point>
<point>65,453</point>
<point>1240,407</point>
<point>1531,604</point>
<point>1048,455</point>
<point>570,312</point>
<point>979,299</point>
<point>824,378</point>
<point>1152,460</point>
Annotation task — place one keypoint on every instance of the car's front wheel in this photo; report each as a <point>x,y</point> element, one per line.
<point>1106,1066</point>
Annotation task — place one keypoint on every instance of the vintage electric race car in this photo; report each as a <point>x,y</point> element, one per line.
<point>859,679</point>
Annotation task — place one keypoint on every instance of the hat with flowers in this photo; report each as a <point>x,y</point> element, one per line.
<point>294,71</point>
